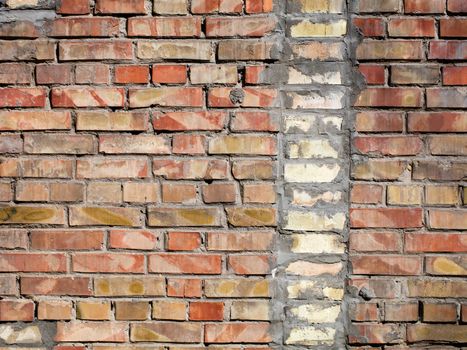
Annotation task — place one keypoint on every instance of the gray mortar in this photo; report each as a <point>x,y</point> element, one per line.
<point>48,331</point>
<point>352,84</point>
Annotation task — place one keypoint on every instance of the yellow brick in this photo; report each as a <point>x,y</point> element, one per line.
<point>404,195</point>
<point>441,195</point>
<point>88,310</point>
<point>306,29</point>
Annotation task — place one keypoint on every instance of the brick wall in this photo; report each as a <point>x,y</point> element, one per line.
<point>408,165</point>
<point>177,175</point>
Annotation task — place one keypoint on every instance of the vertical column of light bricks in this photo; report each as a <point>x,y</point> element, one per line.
<point>137,174</point>
<point>315,177</point>
<point>408,217</point>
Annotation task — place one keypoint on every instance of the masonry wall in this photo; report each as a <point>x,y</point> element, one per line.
<point>232,174</point>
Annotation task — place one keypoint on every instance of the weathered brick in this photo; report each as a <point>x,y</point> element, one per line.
<point>16,310</point>
<point>375,333</point>
<point>22,50</point>
<point>238,332</point>
<point>424,6</point>
<point>54,310</point>
<point>84,216</point>
<point>179,193</point>
<point>95,51</point>
<point>390,50</point>
<point>131,310</point>
<point>448,50</point>
<point>414,74</point>
<point>169,310</point>
<point>22,97</point>
<point>59,144</point>
<point>87,97</point>
<point>437,122</point>
<point>133,239</point>
<point>239,241</point>
<point>91,332</point>
<point>165,27</point>
<point>82,27</point>
<point>178,240</point>
<point>67,239</point>
<point>177,332</point>
<point>237,288</point>
<point>374,241</point>
<point>112,121</point>
<point>176,217</point>
<point>99,168</point>
<point>92,74</point>
<point>108,262</point>
<point>171,7</point>
<point>93,310</point>
<point>406,312</point>
<point>390,97</point>
<point>426,332</point>
<point>453,27</point>
<point>411,27</point>
<point>78,286</point>
<point>435,242</point>
<point>206,311</point>
<point>386,217</point>
<point>175,50</point>
<point>379,6</point>
<point>386,265</point>
<point>119,7</point>
<point>52,215</point>
<point>135,144</point>
<point>193,169</point>
<point>184,121</point>
<point>129,286</point>
<point>251,26</point>
<point>245,50</point>
<point>73,7</point>
<point>168,96</point>
<point>32,262</point>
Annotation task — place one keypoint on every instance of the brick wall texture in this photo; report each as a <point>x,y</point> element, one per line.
<point>233,174</point>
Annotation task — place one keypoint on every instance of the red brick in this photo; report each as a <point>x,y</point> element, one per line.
<point>134,239</point>
<point>169,74</point>
<point>379,121</point>
<point>13,238</point>
<point>375,333</point>
<point>19,29</point>
<point>132,74</point>
<point>87,97</point>
<point>15,73</point>
<point>183,240</point>
<point>437,122</point>
<point>22,97</point>
<point>250,264</point>
<point>179,193</point>
<point>453,27</point>
<point>364,312</point>
<point>254,121</point>
<point>185,264</point>
<point>412,27</point>
<point>160,27</point>
<point>73,7</point>
<point>134,144</point>
<point>241,332</point>
<point>446,98</point>
<point>457,6</point>
<point>370,26</point>
<point>79,286</point>
<point>439,312</point>
<point>258,6</point>
<point>386,265</point>
<point>249,97</point>
<point>389,146</point>
<point>390,50</point>
<point>67,239</point>
<point>390,97</point>
<point>184,121</point>
<point>220,193</point>
<point>189,288</point>
<point>379,288</point>
<point>189,144</point>
<point>53,74</point>
<point>435,242</point>
<point>32,262</point>
<point>406,312</point>
<point>448,219</point>
<point>386,217</point>
<point>222,6</point>
<point>374,74</point>
<point>16,310</point>
<point>375,241</point>
<point>206,311</point>
<point>455,75</point>
<point>120,7</point>
<point>424,6</point>
<point>366,194</point>
<point>83,27</point>
<point>108,262</point>
<point>448,50</point>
